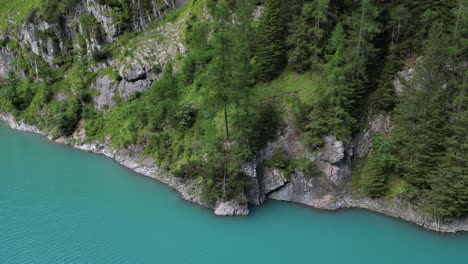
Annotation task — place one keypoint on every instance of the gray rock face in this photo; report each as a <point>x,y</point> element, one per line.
<point>332,150</point>
<point>156,47</point>
<point>254,194</point>
<point>158,10</point>
<point>133,71</point>
<point>138,68</point>
<point>103,16</point>
<point>28,36</point>
<point>337,173</point>
<point>317,192</point>
<point>106,88</point>
<point>258,12</point>
<point>363,140</point>
<point>272,179</point>
<point>402,77</point>
<point>21,126</point>
<point>61,97</point>
<point>320,191</point>
<point>127,89</point>
<point>400,209</point>
<point>6,59</point>
<point>331,160</point>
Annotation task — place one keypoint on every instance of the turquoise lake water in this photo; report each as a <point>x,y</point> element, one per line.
<point>59,205</point>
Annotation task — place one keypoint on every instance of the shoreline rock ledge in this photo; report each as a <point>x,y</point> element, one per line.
<point>312,192</point>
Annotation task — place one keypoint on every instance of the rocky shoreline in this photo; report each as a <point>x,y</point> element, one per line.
<point>131,159</point>
<point>134,161</point>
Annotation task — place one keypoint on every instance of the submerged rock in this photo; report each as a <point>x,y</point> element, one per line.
<point>231,208</point>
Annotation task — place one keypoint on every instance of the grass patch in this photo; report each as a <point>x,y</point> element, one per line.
<point>290,85</point>
<point>17,10</point>
<point>396,186</point>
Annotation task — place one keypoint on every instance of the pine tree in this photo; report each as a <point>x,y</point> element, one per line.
<point>227,78</point>
<point>363,29</point>
<point>330,113</point>
<point>308,35</point>
<point>379,166</point>
<point>299,55</point>
<point>271,48</point>
<point>421,116</point>
<point>448,196</point>
<point>243,74</point>
<point>399,19</point>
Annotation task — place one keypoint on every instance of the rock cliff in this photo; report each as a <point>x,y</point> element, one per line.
<point>90,28</point>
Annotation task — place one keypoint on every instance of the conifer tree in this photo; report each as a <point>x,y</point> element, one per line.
<point>243,74</point>
<point>330,113</point>
<point>448,196</point>
<point>379,166</point>
<point>421,116</point>
<point>363,29</point>
<point>308,34</point>
<point>270,55</point>
<point>399,19</point>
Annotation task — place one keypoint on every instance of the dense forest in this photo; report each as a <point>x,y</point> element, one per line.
<point>216,106</point>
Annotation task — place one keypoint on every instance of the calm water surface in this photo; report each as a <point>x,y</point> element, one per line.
<point>59,205</point>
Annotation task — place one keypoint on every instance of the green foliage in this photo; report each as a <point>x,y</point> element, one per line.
<point>4,42</point>
<point>185,116</point>
<point>447,198</point>
<point>279,159</point>
<point>308,35</point>
<point>18,93</point>
<point>16,10</point>
<point>384,97</point>
<point>55,11</point>
<point>69,117</point>
<point>331,109</point>
<point>421,115</point>
<point>363,27</point>
<point>101,55</point>
<point>270,52</point>
<point>90,26</point>
<point>306,166</point>
<point>380,164</point>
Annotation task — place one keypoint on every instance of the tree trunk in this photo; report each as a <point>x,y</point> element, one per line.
<point>226,124</point>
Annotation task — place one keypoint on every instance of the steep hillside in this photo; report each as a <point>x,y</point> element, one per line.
<point>328,103</point>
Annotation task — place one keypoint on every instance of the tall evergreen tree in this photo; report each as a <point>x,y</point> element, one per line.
<point>448,196</point>
<point>363,27</point>
<point>379,166</point>
<point>399,19</point>
<point>307,35</point>
<point>270,55</point>
<point>330,113</point>
<point>243,74</point>
<point>421,116</point>
<point>218,76</point>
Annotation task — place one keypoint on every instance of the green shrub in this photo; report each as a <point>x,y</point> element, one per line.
<point>279,159</point>
<point>306,166</point>
<point>69,117</point>
<point>101,55</point>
